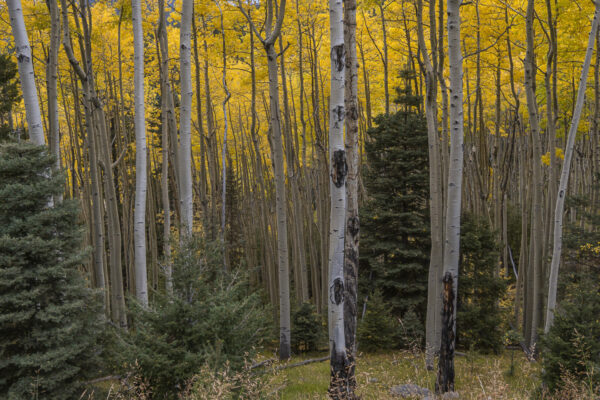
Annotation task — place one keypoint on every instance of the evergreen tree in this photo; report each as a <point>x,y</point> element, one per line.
<point>572,346</point>
<point>9,93</point>
<point>378,329</point>
<point>49,319</point>
<point>479,318</point>
<point>212,320</point>
<point>395,217</point>
<point>307,328</point>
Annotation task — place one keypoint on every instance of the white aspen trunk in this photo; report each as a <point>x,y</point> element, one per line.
<point>445,378</point>
<point>352,228</point>
<point>141,179</point>
<point>564,177</point>
<point>26,74</point>
<point>337,185</point>
<point>185,122</point>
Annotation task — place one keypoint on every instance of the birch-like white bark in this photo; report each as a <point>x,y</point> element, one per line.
<point>337,185</point>
<point>564,177</point>
<point>141,181</point>
<point>445,380</point>
<point>26,74</point>
<point>185,122</point>
<point>455,173</point>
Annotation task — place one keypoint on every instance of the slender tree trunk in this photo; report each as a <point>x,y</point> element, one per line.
<point>445,378</point>
<point>385,57</point>
<point>432,327</point>
<point>564,177</point>
<point>165,95</point>
<point>536,275</point>
<point>337,184</point>
<point>352,229</point>
<point>26,74</point>
<point>224,151</point>
<point>141,180</point>
<point>272,33</point>
<point>186,197</point>
<point>51,87</point>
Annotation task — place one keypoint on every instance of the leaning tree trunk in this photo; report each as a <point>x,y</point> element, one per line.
<point>352,229</point>
<point>141,181</point>
<point>337,185</point>
<point>564,177</point>
<point>445,377</point>
<point>26,74</point>
<point>185,122</point>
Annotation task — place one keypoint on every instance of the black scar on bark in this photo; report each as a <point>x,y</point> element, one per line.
<point>338,55</point>
<point>353,226</point>
<point>339,113</point>
<point>337,291</point>
<point>22,58</point>
<point>445,376</point>
<point>340,168</point>
<point>337,386</point>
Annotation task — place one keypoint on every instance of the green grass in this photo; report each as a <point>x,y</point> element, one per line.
<point>477,376</point>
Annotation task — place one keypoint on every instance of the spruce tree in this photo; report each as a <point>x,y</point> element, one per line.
<point>395,217</point>
<point>49,319</point>
<point>479,318</point>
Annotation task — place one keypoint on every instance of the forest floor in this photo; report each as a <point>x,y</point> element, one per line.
<point>478,377</point>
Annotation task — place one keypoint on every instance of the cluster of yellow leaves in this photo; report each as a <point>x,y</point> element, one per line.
<point>560,154</point>
<point>590,249</point>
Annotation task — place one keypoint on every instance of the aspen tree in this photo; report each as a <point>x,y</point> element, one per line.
<point>165,127</point>
<point>429,65</point>
<point>51,80</point>
<point>535,273</point>
<point>26,74</point>
<point>141,180</point>
<point>272,32</point>
<point>445,377</point>
<point>95,120</point>
<point>186,198</point>
<point>224,150</point>
<point>352,228</point>
<point>564,177</point>
<point>337,184</point>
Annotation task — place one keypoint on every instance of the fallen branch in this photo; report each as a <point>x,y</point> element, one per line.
<point>104,378</point>
<point>263,363</point>
<point>298,364</point>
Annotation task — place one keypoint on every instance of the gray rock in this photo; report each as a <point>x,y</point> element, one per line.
<point>411,390</point>
<point>450,395</point>
<point>373,380</point>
